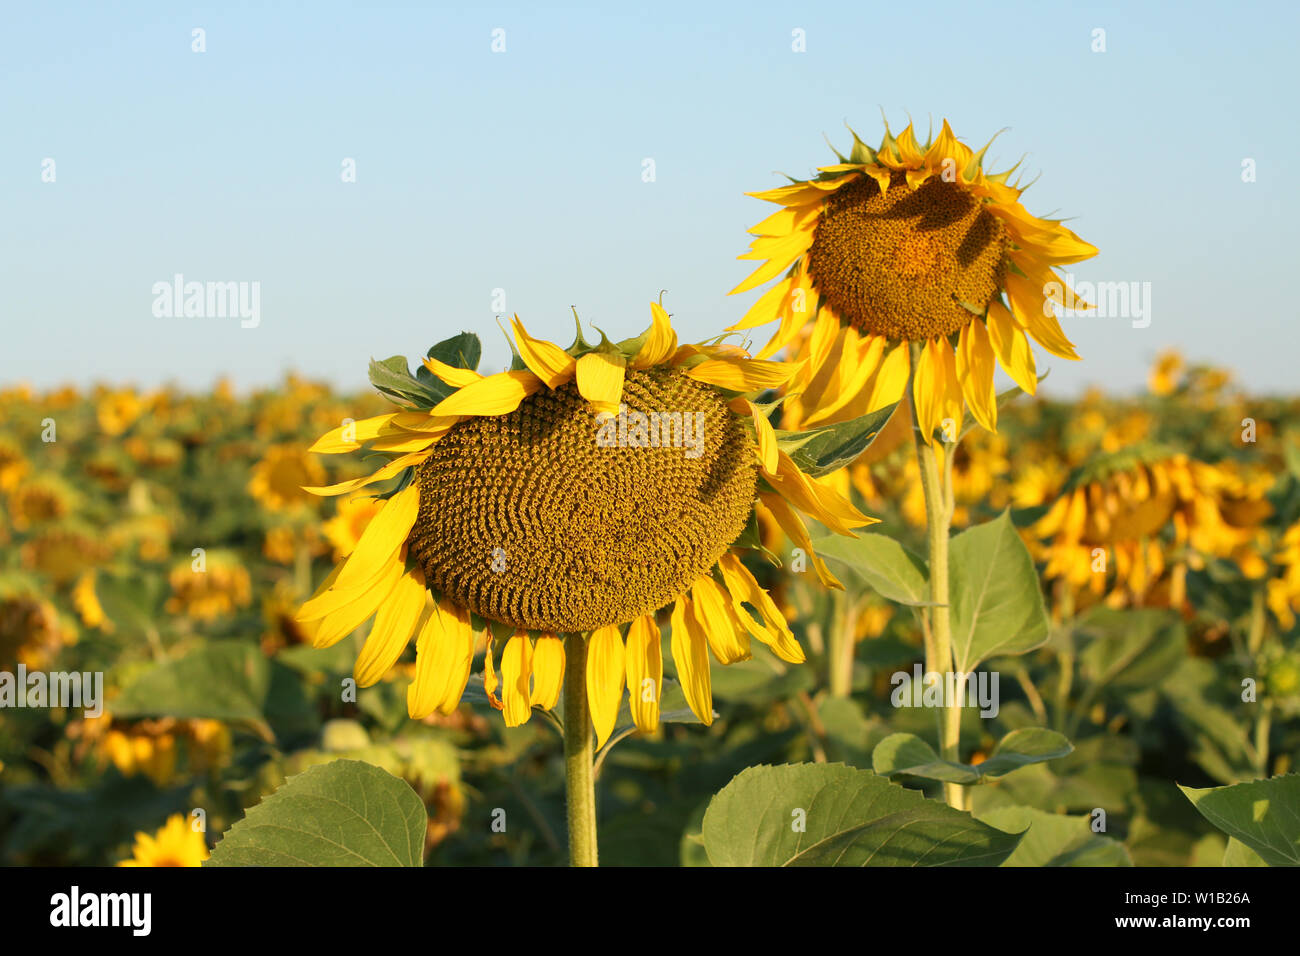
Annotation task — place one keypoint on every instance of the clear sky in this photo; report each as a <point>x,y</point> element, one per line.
<point>522,170</point>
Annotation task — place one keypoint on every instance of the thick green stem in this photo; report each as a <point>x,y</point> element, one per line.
<point>579,779</point>
<point>938,648</point>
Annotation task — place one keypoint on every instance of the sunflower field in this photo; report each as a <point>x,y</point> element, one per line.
<point>837,586</point>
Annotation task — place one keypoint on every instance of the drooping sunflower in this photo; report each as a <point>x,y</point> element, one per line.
<point>175,844</point>
<point>909,244</point>
<point>1127,518</point>
<point>580,492</point>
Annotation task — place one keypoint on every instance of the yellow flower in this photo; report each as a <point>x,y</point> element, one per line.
<point>12,465</point>
<point>39,500</point>
<point>909,245</point>
<point>31,633</point>
<point>205,591</point>
<point>118,411</point>
<point>279,478</point>
<point>580,492</point>
<point>86,601</point>
<point>1166,373</point>
<point>1113,515</point>
<point>176,844</point>
<point>63,552</point>
<point>1284,591</point>
<point>354,513</point>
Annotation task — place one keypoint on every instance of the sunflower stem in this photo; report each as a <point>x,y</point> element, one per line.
<point>938,648</point>
<point>579,776</point>
<point>841,645</point>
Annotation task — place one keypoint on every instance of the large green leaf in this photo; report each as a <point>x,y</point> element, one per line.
<point>821,451</point>
<point>997,606</point>
<point>909,754</point>
<point>833,815</point>
<point>895,573</point>
<point>343,813</point>
<point>1263,814</point>
<point>1055,840</point>
<point>225,680</point>
<point>459,351</point>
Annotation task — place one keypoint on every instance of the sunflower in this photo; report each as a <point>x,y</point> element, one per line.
<point>31,632</point>
<point>1166,373</point>
<point>578,493</point>
<point>221,586</point>
<point>278,479</point>
<point>118,411</point>
<point>176,844</point>
<point>354,513</point>
<point>1284,589</point>
<point>1149,510</point>
<point>40,500</point>
<point>13,466</point>
<point>64,551</point>
<point>908,245</point>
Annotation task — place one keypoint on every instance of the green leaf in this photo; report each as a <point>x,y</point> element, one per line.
<point>1131,649</point>
<point>1238,854</point>
<point>833,815</point>
<point>997,606</point>
<point>883,564</point>
<point>821,451</point>
<point>343,813</point>
<point>1055,840</point>
<point>225,680</point>
<point>909,754</point>
<point>393,377</point>
<point>1263,814</point>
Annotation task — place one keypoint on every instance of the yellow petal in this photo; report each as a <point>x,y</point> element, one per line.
<point>1029,305</point>
<point>393,628</point>
<point>516,673</point>
<point>743,375</point>
<point>1012,348</point>
<point>660,341</point>
<point>789,521</point>
<point>498,394</point>
<point>772,629</point>
<point>891,380</point>
<point>343,620</point>
<point>453,376</point>
<point>763,431</point>
<point>815,499</point>
<point>546,360</point>
<point>645,672</point>
<point>548,671</point>
<point>600,380</point>
<point>726,636</point>
<point>444,652</point>
<point>389,470</point>
<point>384,535</point>
<point>975,367</point>
<point>690,650</point>
<point>766,308</point>
<point>348,437</point>
<point>605,675</point>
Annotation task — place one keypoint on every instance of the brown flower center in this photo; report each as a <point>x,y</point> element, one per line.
<point>909,264</point>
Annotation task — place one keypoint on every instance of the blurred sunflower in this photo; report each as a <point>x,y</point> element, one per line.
<point>1166,373</point>
<point>86,601</point>
<point>31,632</point>
<point>38,500</point>
<point>218,589</point>
<point>906,245</point>
<point>1284,590</point>
<point>175,844</point>
<point>116,411</point>
<point>279,478</point>
<point>353,515</point>
<point>152,748</point>
<point>13,466</point>
<point>1122,504</point>
<point>519,504</point>
<point>63,552</point>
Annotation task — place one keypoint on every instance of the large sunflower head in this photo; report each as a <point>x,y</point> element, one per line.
<point>901,245</point>
<point>578,493</point>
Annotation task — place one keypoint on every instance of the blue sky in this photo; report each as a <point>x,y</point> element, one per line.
<point>522,170</point>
